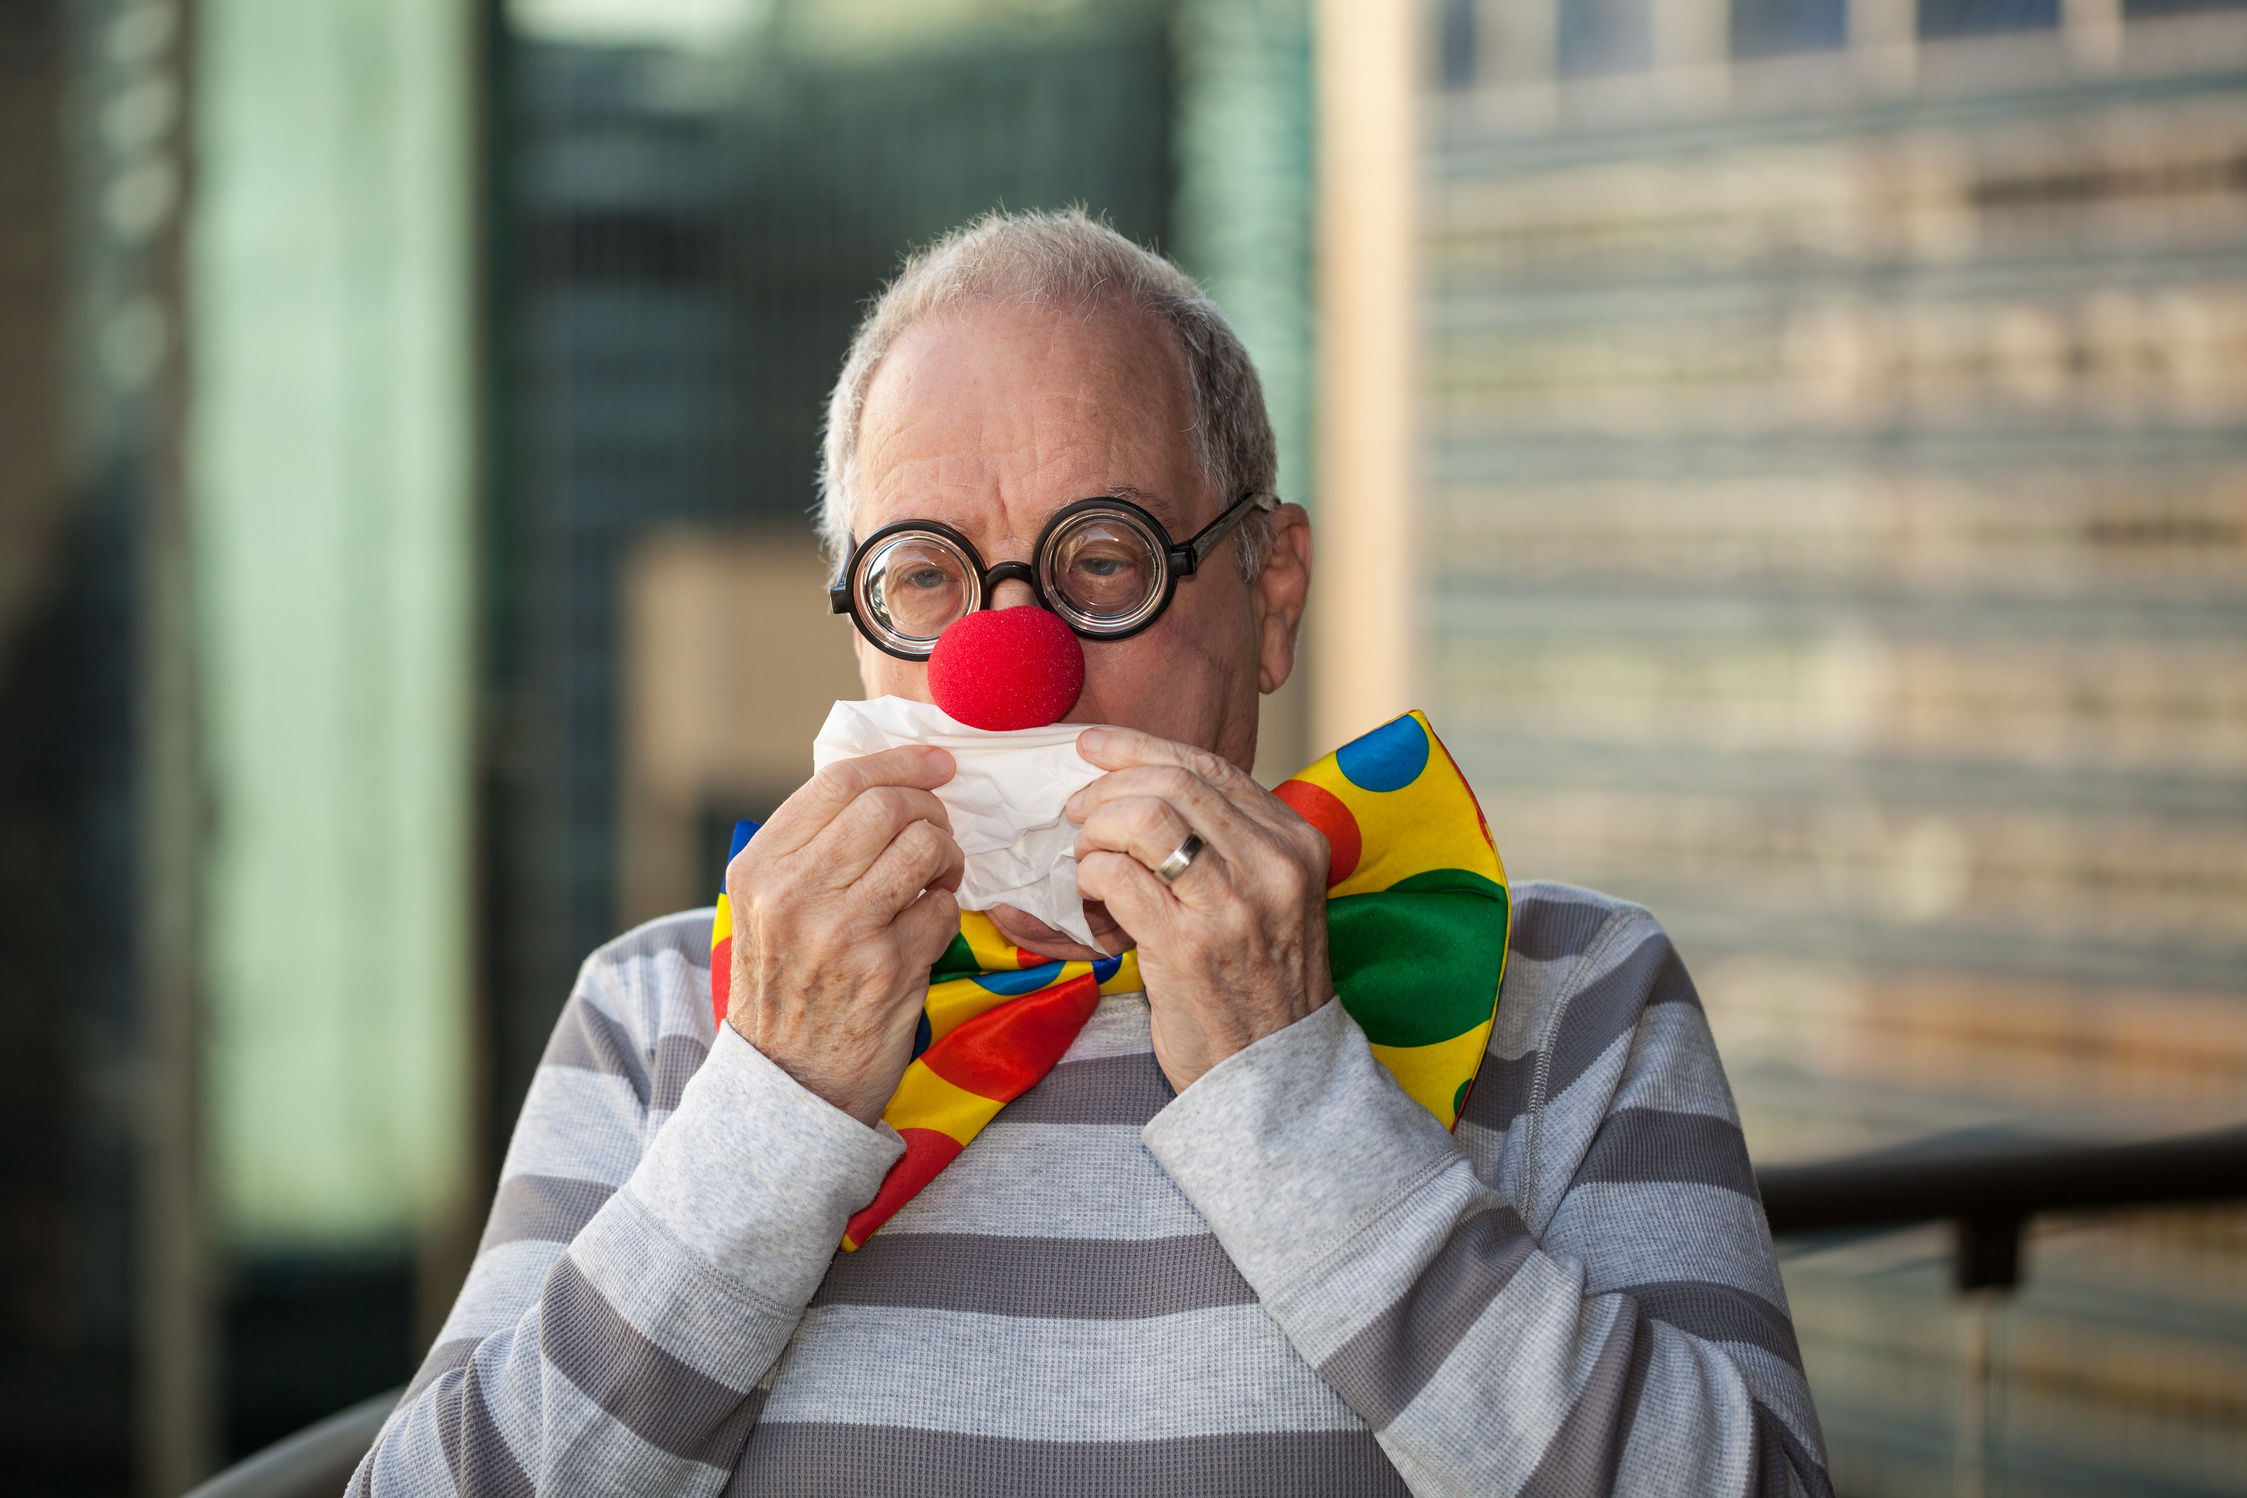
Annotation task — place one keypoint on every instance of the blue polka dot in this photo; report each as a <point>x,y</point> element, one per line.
<point>1387,759</point>
<point>923,1035</point>
<point>1105,968</point>
<point>1014,985</point>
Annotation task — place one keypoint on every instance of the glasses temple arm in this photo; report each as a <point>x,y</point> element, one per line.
<point>1188,558</point>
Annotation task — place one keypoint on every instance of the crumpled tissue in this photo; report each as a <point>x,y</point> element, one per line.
<point>1006,800</point>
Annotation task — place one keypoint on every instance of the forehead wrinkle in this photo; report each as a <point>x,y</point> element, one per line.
<point>1083,426</point>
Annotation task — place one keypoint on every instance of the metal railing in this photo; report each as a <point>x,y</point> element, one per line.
<point>316,1462</point>
<point>1990,1190</point>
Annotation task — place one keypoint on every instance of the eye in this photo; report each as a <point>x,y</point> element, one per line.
<point>926,577</point>
<point>1100,566</point>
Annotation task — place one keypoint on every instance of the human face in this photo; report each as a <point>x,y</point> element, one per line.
<point>990,416</point>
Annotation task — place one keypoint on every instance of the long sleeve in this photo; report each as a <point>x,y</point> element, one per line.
<point>668,1205</point>
<point>1632,1336</point>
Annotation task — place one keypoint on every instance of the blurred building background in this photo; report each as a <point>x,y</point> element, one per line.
<point>1834,516</point>
<point>410,410</point>
<point>1796,450</point>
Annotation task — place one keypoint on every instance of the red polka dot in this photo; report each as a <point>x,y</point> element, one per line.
<point>1325,811</point>
<point>721,977</point>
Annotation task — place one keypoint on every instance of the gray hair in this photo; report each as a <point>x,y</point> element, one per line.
<point>1071,258</point>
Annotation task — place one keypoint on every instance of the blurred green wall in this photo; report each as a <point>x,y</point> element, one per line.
<point>1243,214</point>
<point>1243,221</point>
<point>332,439</point>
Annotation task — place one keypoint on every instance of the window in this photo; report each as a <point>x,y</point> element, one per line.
<point>1604,36</point>
<point>1455,43</point>
<point>1941,18</point>
<point>1767,28</point>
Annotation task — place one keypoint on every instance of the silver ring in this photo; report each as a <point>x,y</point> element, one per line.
<point>1181,857</point>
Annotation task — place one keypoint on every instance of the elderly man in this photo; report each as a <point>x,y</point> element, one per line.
<point>1218,1249</point>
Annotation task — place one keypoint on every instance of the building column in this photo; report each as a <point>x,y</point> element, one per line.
<point>1244,226</point>
<point>1884,36</point>
<point>333,472</point>
<point>1364,613</point>
<point>2094,33</point>
<point>1517,45</point>
<point>1692,52</point>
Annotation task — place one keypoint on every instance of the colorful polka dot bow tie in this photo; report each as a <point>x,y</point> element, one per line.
<point>1416,917</point>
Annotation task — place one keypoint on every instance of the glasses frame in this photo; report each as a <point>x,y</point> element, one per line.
<point>1178,559</point>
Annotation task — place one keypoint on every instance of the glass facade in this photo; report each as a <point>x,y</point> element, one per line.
<point>99,1242</point>
<point>1834,540</point>
<point>688,226</point>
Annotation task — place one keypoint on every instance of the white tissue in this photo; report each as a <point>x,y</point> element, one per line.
<point>1006,800</point>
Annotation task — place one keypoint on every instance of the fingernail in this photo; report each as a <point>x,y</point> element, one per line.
<point>1093,740</point>
<point>940,760</point>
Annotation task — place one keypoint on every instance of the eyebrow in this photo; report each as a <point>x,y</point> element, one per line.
<point>1158,505</point>
<point>1161,506</point>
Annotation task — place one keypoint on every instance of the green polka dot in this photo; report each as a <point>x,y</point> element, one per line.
<point>958,961</point>
<point>1459,1098</point>
<point>1419,961</point>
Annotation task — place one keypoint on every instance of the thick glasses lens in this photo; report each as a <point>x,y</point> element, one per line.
<point>1106,569</point>
<point>915,585</point>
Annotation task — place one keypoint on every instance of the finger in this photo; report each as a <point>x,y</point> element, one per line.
<point>1113,748</point>
<point>819,800</point>
<point>1202,807</point>
<point>1126,749</point>
<point>865,829</point>
<point>926,927</point>
<point>1134,896</point>
<point>1238,856</point>
<point>1146,827</point>
<point>922,856</point>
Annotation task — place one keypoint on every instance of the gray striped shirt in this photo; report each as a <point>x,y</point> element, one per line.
<point>1288,1281</point>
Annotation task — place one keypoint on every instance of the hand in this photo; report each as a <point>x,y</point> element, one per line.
<point>840,904</point>
<point>1235,948</point>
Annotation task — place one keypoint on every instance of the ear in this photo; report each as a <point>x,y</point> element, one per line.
<point>1278,596</point>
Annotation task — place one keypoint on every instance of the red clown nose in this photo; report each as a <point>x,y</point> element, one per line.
<point>1006,668</point>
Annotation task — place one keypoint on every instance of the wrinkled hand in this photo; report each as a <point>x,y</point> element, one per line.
<point>1234,949</point>
<point>840,904</point>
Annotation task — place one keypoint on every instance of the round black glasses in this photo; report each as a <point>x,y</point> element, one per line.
<point>1106,566</point>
